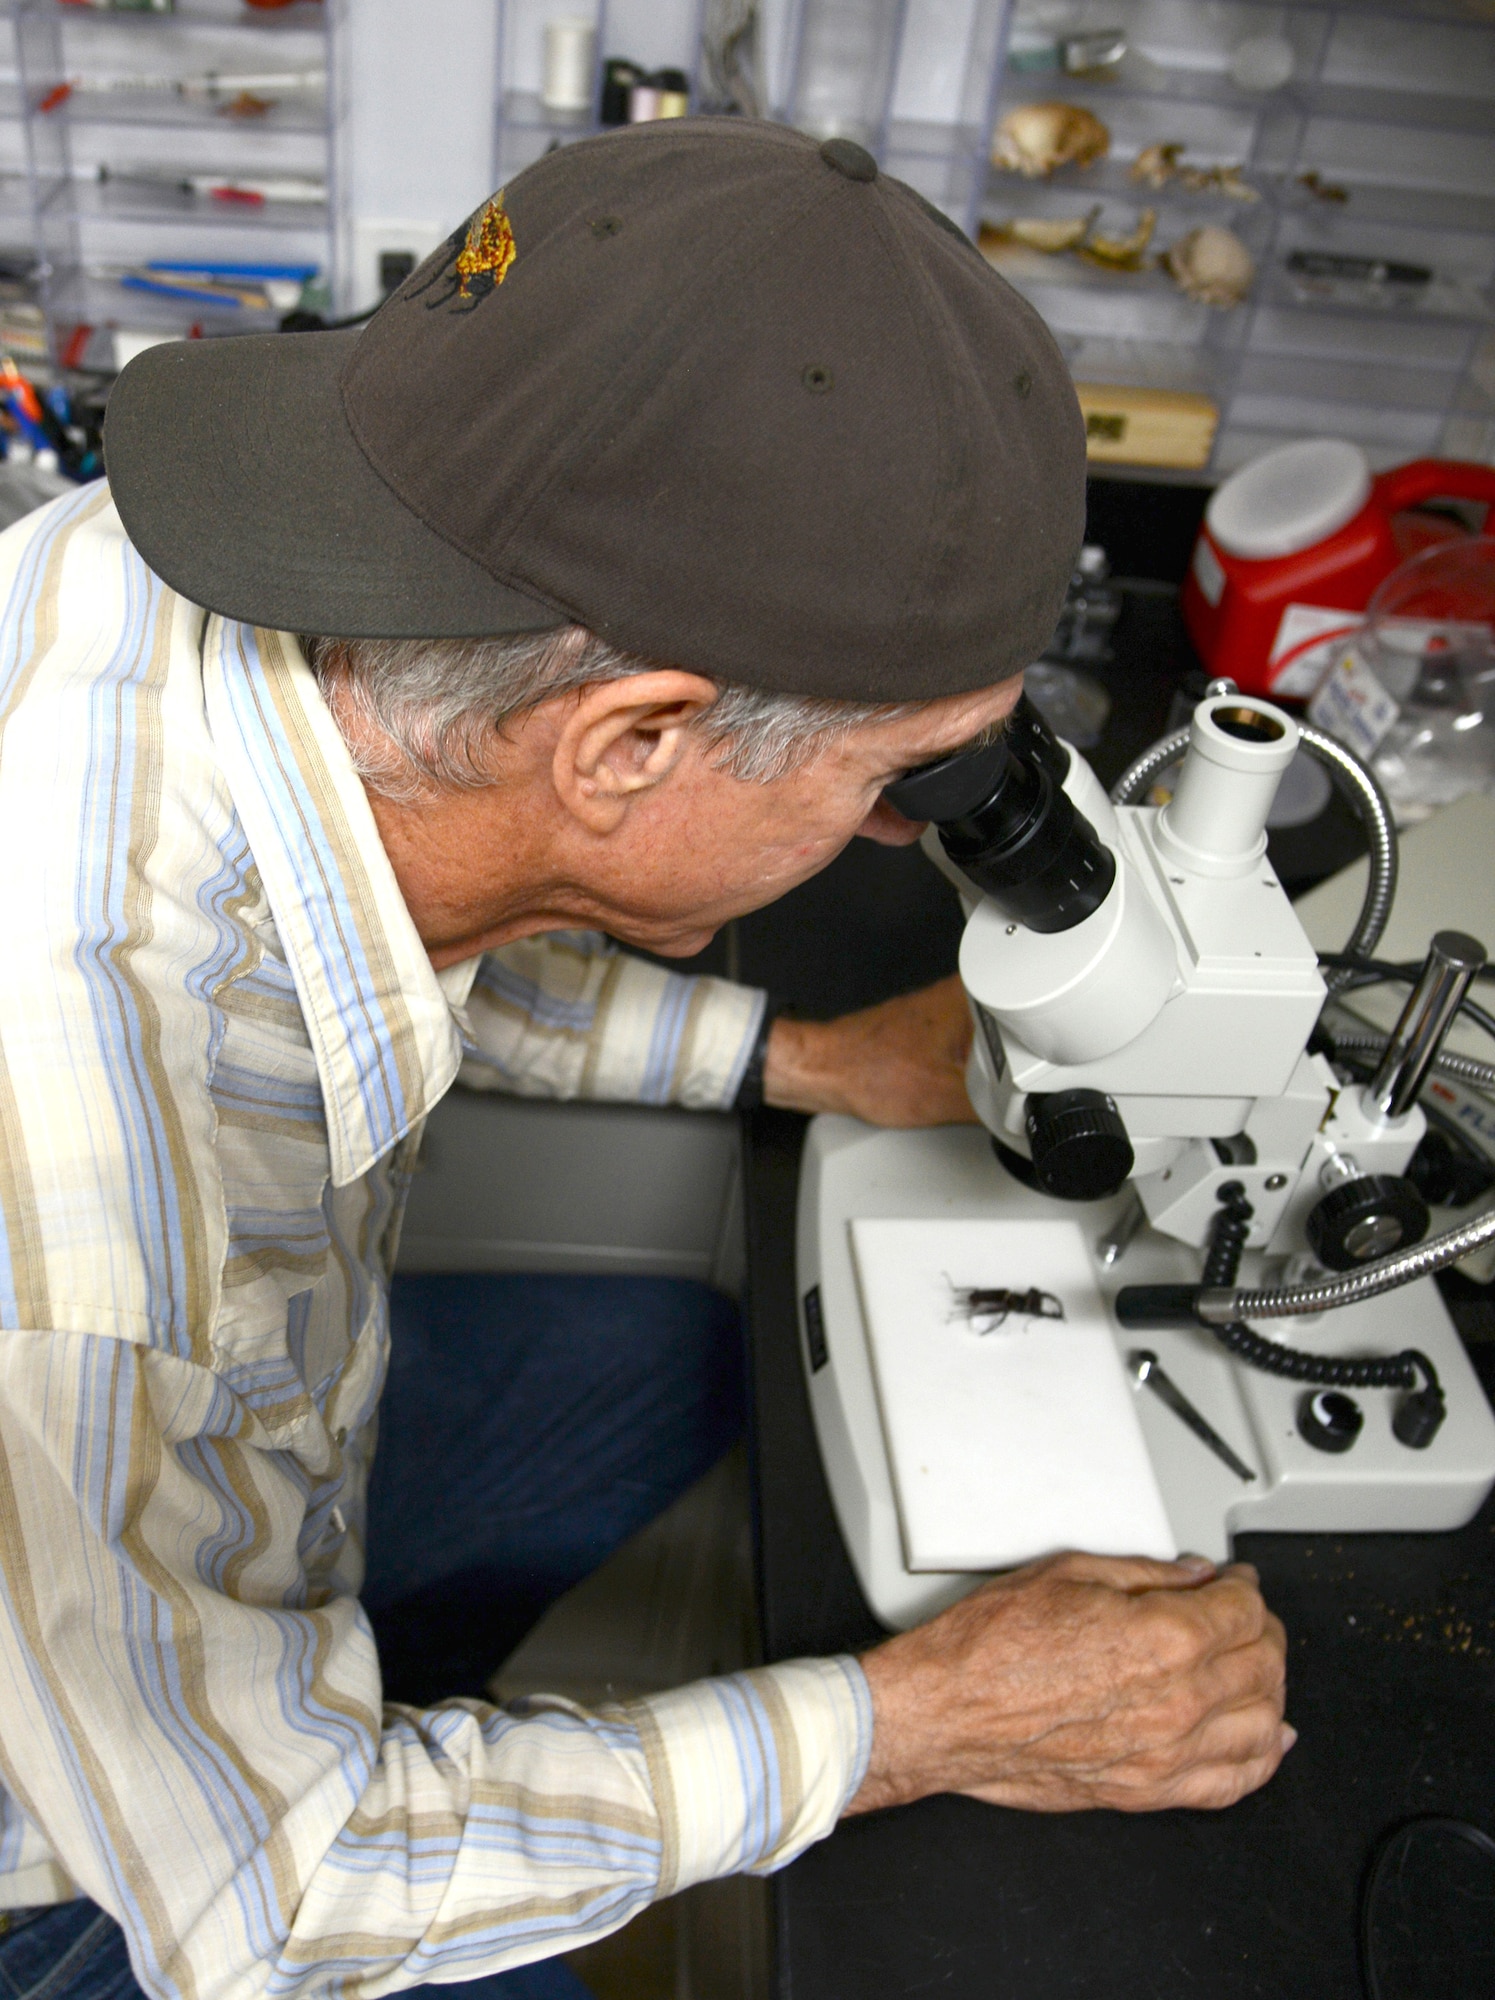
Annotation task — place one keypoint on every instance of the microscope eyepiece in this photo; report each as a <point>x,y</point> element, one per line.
<point>1007,823</point>
<point>950,787</point>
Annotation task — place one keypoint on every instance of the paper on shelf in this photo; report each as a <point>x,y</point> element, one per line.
<point>1010,1444</point>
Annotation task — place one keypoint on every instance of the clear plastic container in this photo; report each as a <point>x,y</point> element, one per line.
<point>1429,639</point>
<point>845,68</point>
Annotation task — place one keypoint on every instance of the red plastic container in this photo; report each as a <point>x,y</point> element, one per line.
<point>1291,550</point>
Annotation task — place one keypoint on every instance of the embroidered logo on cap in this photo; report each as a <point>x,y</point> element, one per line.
<point>477,259</point>
<point>488,251</point>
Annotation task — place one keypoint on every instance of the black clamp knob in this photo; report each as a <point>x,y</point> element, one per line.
<point>1447,1176</point>
<point>1330,1420</point>
<point>1366,1218</point>
<point>1078,1143</point>
<point>1419,1417</point>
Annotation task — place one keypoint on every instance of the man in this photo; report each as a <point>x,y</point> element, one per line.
<point>679,504</point>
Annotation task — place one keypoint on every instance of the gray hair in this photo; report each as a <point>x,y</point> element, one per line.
<point>435,704</point>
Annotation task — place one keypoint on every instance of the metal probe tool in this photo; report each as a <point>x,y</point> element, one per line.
<point>1147,1371</point>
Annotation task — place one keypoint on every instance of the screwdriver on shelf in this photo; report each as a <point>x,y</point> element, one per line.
<point>32,418</point>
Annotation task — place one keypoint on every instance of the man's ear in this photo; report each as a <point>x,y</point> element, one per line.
<point>624,738</point>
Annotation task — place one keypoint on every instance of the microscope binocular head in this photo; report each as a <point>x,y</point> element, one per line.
<point>1141,957</point>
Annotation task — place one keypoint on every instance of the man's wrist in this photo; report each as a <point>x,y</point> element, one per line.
<point>892,1677</point>
<point>799,1067</point>
<point>751,1090</point>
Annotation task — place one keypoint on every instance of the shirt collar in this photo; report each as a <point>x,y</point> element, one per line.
<point>379,1017</point>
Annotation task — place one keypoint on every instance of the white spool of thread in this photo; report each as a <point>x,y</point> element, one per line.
<point>570,59</point>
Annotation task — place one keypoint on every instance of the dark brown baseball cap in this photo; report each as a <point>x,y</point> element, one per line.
<point>730,398</point>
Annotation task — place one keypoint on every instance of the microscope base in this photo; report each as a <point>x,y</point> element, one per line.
<point>851,1170</point>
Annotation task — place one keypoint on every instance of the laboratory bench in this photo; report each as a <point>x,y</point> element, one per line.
<point>1392,1662</point>
<point>1391,1665</point>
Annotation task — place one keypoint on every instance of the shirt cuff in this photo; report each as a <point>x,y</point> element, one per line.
<point>721,1033</point>
<point>750,1769</point>
<point>665,1038</point>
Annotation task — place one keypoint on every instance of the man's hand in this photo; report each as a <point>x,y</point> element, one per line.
<point>901,1063</point>
<point>1084,1681</point>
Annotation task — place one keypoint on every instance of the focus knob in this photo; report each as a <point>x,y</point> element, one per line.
<point>1078,1144</point>
<point>1329,1420</point>
<point>1366,1218</point>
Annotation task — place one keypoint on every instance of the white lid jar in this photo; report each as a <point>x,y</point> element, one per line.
<point>1289,499</point>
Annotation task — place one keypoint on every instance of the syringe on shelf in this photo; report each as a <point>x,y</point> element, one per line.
<point>209,87</point>
<point>249,191</point>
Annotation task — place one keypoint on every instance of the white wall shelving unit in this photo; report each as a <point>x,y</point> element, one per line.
<point>87,231</point>
<point>33,217</point>
<point>1391,100</point>
<point>942,106</point>
<point>1393,104</point>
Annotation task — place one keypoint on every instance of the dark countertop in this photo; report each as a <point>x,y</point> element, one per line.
<point>1391,1685</point>
<point>1392,1638</point>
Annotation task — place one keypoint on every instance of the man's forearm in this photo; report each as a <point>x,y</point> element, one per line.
<point>570,1016</point>
<point>412,1844</point>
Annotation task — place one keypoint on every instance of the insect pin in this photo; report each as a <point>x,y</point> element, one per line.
<point>987,1308</point>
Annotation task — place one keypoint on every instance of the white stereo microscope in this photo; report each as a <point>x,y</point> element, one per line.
<point>1176,1284</point>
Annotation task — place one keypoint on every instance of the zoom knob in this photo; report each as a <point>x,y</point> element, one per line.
<point>1078,1144</point>
<point>1364,1219</point>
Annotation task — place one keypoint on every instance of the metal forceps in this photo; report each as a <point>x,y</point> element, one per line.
<point>1148,1371</point>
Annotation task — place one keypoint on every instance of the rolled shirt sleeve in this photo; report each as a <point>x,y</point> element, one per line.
<point>195,1734</point>
<point>570,1015</point>
<point>750,1769</point>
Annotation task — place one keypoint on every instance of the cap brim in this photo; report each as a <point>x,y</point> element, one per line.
<point>238,480</point>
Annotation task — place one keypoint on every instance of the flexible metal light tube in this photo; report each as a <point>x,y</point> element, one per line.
<point>1365,795</point>
<point>1463,1069</point>
<point>1218,1305</point>
<point>1374,813</point>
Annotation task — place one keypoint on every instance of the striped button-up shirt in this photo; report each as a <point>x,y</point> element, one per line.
<point>219,1037</point>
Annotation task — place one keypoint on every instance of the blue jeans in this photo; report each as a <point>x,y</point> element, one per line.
<point>75,1952</point>
<point>529,1426</point>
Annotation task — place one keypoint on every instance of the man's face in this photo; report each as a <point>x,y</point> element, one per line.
<point>709,847</point>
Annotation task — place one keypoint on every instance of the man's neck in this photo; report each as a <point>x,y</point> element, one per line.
<point>470,863</point>
<point>464,867</point>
